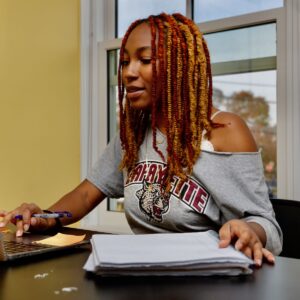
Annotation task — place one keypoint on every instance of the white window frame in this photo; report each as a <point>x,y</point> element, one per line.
<point>97,37</point>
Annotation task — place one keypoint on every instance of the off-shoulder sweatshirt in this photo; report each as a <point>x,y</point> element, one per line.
<point>222,186</point>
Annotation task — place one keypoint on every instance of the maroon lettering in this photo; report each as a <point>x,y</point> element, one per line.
<point>173,184</point>
<point>178,185</point>
<point>200,200</point>
<point>151,173</point>
<point>142,173</point>
<point>132,174</point>
<point>161,173</point>
<point>192,187</point>
<point>136,173</point>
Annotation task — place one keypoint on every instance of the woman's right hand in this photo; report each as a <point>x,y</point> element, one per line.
<point>27,222</point>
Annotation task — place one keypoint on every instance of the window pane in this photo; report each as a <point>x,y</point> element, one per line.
<point>113,108</point>
<point>131,10</point>
<point>242,44</point>
<point>253,97</point>
<point>217,9</point>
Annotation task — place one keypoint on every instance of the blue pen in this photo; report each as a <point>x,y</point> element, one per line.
<point>56,214</point>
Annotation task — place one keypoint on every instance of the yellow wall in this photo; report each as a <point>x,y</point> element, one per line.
<point>39,100</point>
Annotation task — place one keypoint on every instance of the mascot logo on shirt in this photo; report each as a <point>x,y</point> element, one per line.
<point>152,201</point>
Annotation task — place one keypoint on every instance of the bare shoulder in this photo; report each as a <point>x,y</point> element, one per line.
<point>234,136</point>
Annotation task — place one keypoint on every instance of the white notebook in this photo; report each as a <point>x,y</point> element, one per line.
<point>175,254</point>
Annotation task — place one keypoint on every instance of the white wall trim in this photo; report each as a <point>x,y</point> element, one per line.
<point>84,85</point>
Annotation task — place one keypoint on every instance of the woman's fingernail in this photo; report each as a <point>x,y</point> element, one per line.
<point>2,224</point>
<point>258,262</point>
<point>26,227</point>
<point>19,233</point>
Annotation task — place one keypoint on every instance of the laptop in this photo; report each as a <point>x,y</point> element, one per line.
<point>12,247</point>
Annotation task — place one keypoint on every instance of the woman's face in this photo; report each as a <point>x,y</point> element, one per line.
<point>137,68</point>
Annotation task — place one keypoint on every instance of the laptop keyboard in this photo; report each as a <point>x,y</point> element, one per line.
<point>12,247</point>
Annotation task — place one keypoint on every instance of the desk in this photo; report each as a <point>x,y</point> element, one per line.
<point>279,282</point>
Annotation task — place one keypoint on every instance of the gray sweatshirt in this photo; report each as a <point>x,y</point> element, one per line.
<point>222,186</point>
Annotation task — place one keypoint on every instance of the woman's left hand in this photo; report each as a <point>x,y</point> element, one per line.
<point>245,239</point>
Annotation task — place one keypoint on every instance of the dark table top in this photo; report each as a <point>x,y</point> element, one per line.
<point>26,280</point>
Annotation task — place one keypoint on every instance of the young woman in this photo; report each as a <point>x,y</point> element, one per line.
<point>181,164</point>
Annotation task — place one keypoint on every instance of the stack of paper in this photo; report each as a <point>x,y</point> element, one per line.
<point>195,253</point>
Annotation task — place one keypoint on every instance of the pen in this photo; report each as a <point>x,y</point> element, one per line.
<point>56,214</point>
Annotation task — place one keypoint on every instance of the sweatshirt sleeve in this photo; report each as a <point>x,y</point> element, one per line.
<point>106,174</point>
<point>237,185</point>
